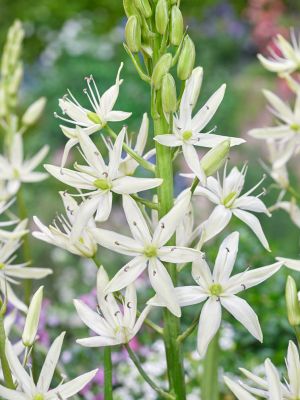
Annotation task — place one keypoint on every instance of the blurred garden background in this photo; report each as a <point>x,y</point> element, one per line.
<point>66,41</point>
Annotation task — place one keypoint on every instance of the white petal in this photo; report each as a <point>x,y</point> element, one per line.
<point>189,295</point>
<point>142,136</point>
<point>140,320</point>
<point>277,132</point>
<point>192,160</point>
<point>237,390</point>
<point>50,363</point>
<point>281,108</point>
<point>275,392</point>
<point>116,116</point>
<point>216,222</point>
<point>242,312</point>
<point>204,191</point>
<point>98,341</point>
<point>9,394</point>
<point>91,152</point>
<point>28,272</point>
<point>79,180</point>
<point>226,257</point>
<point>36,159</point>
<point>175,254</point>
<point>82,216</point>
<point>251,203</point>
<point>104,206</point>
<point>210,140</point>
<point>290,263</point>
<point>128,274</point>
<point>116,242</point>
<point>115,155</point>
<point>11,296</point>
<point>132,184</point>
<point>168,140</point>
<point>209,324</point>
<point>254,224</point>
<point>163,285</point>
<point>130,306</point>
<point>293,368</point>
<point>136,221</point>
<point>201,273</point>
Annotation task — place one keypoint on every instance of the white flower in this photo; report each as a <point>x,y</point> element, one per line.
<point>291,208</point>
<point>128,165</point>
<point>100,180</point>
<point>59,234</point>
<point>227,196</point>
<point>26,387</point>
<point>91,121</point>
<point>148,250</point>
<point>9,273</point>
<point>15,169</point>
<point>113,324</point>
<point>271,388</point>
<point>287,131</point>
<point>188,130</point>
<point>278,170</point>
<point>290,263</point>
<point>218,289</point>
<point>289,60</point>
<point>19,231</point>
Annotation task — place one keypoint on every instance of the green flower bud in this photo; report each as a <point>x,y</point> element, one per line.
<point>144,7</point>
<point>292,302</point>
<point>33,112</point>
<point>168,94</point>
<point>161,16</point>
<point>130,8</point>
<point>32,318</point>
<point>186,59</point>
<point>161,68</point>
<point>215,158</point>
<point>176,26</point>
<point>133,34</point>
<point>196,77</point>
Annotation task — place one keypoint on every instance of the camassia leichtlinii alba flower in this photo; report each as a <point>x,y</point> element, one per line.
<point>113,323</point>
<point>99,180</point>
<point>149,250</point>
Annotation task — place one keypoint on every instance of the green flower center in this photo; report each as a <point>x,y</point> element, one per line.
<point>216,289</point>
<point>2,266</point>
<point>16,173</point>
<point>38,396</point>
<point>295,127</point>
<point>150,251</point>
<point>227,202</point>
<point>94,117</point>
<point>187,135</point>
<point>102,184</point>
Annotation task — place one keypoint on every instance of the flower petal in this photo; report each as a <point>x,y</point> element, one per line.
<point>226,258</point>
<point>251,203</point>
<point>168,140</point>
<point>192,160</point>
<point>238,390</point>
<point>189,295</point>
<point>132,184</point>
<point>290,263</point>
<point>273,378</point>
<point>175,254</point>
<point>137,224</point>
<point>98,341</point>
<point>116,242</point>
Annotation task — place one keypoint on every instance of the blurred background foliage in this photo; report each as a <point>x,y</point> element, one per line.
<point>66,41</point>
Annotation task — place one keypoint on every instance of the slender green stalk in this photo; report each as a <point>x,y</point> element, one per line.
<point>147,203</point>
<point>189,330</point>
<point>144,163</point>
<point>4,363</point>
<point>210,386</point>
<point>143,373</point>
<point>293,192</point>
<point>108,391</point>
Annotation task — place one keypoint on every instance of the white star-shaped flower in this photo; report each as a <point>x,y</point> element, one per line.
<point>27,389</point>
<point>229,200</point>
<point>188,130</point>
<point>99,180</point>
<point>59,234</point>
<point>113,324</point>
<point>90,121</point>
<point>148,250</point>
<point>15,169</point>
<point>218,289</point>
<point>287,131</point>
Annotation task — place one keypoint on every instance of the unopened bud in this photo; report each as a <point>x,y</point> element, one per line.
<point>129,8</point>
<point>292,302</point>
<point>195,83</point>
<point>215,158</point>
<point>186,59</point>
<point>161,68</point>
<point>161,16</point>
<point>133,34</point>
<point>33,112</point>
<point>15,80</point>
<point>168,94</point>
<point>144,7</point>
<point>176,26</point>
<point>32,318</point>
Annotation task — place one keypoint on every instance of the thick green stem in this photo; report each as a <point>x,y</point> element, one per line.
<point>210,387</point>
<point>108,392</point>
<point>138,365</point>
<point>4,363</point>
<point>164,170</point>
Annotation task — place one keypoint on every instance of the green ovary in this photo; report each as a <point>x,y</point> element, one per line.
<point>94,117</point>
<point>38,396</point>
<point>187,135</point>
<point>295,127</point>
<point>216,289</point>
<point>227,202</point>
<point>150,251</point>
<point>2,266</point>
<point>102,184</point>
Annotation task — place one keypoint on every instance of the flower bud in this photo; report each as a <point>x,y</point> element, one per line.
<point>33,112</point>
<point>176,26</point>
<point>186,59</point>
<point>292,302</point>
<point>215,158</point>
<point>161,16</point>
<point>133,34</point>
<point>144,7</point>
<point>195,83</point>
<point>161,68</point>
<point>129,8</point>
<point>32,318</point>
<point>168,94</point>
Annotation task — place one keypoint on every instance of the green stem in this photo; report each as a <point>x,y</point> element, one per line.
<point>210,387</point>
<point>144,163</point>
<point>147,203</point>
<point>164,170</point>
<point>143,373</point>
<point>293,192</point>
<point>4,363</point>
<point>297,333</point>
<point>108,392</point>
<point>189,330</point>
<point>26,244</point>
